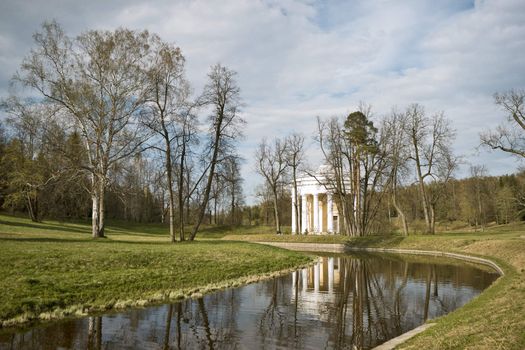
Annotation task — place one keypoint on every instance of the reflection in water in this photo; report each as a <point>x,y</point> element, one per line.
<point>341,302</point>
<point>94,333</point>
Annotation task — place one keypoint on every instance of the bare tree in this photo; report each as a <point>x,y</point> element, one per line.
<point>332,143</point>
<point>294,160</point>
<point>223,95</point>
<point>430,141</point>
<point>168,95</point>
<point>230,174</point>
<point>509,137</point>
<point>272,165</point>
<point>477,173</point>
<point>397,152</point>
<point>98,83</point>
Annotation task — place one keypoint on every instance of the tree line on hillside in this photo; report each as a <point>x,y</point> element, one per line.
<point>116,129</point>
<point>398,173</point>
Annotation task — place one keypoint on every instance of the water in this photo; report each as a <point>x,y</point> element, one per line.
<point>343,302</point>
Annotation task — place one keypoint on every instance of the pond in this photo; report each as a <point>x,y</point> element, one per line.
<point>343,301</point>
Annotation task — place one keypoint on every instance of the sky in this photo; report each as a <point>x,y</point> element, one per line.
<point>297,60</point>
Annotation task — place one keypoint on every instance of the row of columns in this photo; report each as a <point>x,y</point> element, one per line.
<point>317,214</point>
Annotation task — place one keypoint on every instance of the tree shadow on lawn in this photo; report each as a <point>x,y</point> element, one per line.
<point>45,226</point>
<point>44,240</point>
<point>86,240</point>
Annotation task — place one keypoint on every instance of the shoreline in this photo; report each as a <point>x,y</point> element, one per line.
<point>30,320</point>
<point>343,248</point>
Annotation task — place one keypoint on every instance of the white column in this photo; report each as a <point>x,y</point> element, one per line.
<point>329,213</point>
<point>294,228</point>
<point>317,270</point>
<point>330,274</point>
<point>316,213</point>
<point>305,279</point>
<point>294,279</point>
<point>321,208</point>
<point>304,218</point>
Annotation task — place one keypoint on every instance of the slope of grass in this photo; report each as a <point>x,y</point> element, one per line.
<point>50,270</point>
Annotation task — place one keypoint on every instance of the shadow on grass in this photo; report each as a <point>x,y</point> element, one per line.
<point>108,240</point>
<point>44,226</point>
<point>44,240</point>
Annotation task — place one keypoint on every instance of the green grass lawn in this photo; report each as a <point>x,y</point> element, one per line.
<point>50,270</point>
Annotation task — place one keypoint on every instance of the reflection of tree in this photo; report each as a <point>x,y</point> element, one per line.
<point>376,302</point>
<point>427,293</point>
<point>95,333</point>
<point>397,299</point>
<point>169,315</point>
<point>179,327</point>
<point>272,318</point>
<point>205,323</point>
<point>296,302</point>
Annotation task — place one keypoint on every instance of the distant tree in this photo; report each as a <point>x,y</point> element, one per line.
<point>430,140</point>
<point>231,176</point>
<point>271,163</point>
<point>505,204</point>
<point>3,168</point>
<point>477,174</point>
<point>29,169</point>
<point>295,160</point>
<point>510,136</point>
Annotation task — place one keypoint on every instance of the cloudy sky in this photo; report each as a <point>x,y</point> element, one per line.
<point>300,59</point>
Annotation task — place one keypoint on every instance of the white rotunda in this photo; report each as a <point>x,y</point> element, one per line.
<point>318,212</point>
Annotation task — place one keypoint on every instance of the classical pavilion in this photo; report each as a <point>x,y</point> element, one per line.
<point>318,211</point>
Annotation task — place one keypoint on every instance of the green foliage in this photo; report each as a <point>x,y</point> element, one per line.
<point>361,132</point>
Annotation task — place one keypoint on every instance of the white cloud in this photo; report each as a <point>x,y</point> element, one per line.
<point>300,59</point>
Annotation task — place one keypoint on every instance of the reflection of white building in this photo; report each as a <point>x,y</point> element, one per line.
<point>316,285</point>
<point>318,213</point>
<point>321,277</point>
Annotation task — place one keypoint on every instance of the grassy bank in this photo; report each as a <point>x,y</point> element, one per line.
<point>50,270</point>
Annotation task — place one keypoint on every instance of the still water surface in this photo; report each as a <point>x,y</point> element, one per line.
<point>343,302</point>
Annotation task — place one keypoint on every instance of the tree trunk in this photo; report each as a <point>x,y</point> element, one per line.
<point>95,228</point>
<point>169,173</point>
<point>204,204</point>
<point>399,211</point>
<point>181,188</point>
<point>233,204</point>
<point>423,195</point>
<point>432,219</point>
<point>276,212</point>
<point>33,211</point>
<point>94,215</point>
<point>101,208</point>
<point>296,203</point>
